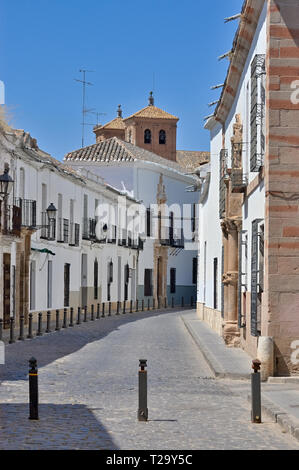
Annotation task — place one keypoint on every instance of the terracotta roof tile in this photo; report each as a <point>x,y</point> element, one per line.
<point>152,112</point>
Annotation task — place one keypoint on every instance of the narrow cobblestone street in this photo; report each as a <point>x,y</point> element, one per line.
<point>88,392</point>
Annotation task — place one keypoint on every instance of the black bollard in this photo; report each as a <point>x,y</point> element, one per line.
<point>103,309</point>
<point>142,305</point>
<point>124,307</point>
<point>131,306</point>
<point>39,328</point>
<point>191,303</point>
<point>142,398</point>
<point>64,325</point>
<point>183,302</point>
<point>117,308</point>
<point>165,302</point>
<point>21,337</point>
<point>57,327</point>
<point>98,312</point>
<point>33,389</point>
<point>172,302</point>
<point>109,309</point>
<point>85,314</point>
<point>148,305</point>
<point>137,306</point>
<point>256,410</point>
<point>1,329</point>
<point>48,330</point>
<point>79,316</point>
<point>12,331</point>
<point>92,313</point>
<point>71,317</point>
<point>30,335</point>
<point>154,304</point>
<point>159,301</point>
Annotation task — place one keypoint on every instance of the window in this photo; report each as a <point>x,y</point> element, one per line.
<point>257,275</point>
<point>215,283</point>
<point>147,136</point>
<point>162,137</point>
<point>148,284</point>
<point>194,271</point>
<point>173,280</point>
<point>95,278</point>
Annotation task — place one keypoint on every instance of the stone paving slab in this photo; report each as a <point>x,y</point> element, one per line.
<point>225,362</point>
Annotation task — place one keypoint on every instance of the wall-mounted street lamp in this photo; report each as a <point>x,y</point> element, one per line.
<point>6,183</point>
<point>51,212</point>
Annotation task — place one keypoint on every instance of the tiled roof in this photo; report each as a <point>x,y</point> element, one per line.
<point>116,123</point>
<point>116,150</point>
<point>191,160</point>
<point>152,112</point>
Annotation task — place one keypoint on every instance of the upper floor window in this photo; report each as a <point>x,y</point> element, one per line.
<point>147,136</point>
<point>162,137</point>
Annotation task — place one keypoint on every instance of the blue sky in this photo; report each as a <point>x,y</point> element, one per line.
<point>44,43</point>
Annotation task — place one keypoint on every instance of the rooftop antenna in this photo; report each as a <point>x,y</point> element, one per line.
<point>84,110</point>
<point>97,115</point>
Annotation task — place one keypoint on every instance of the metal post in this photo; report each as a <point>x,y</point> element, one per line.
<point>148,304</point>
<point>39,329</point>
<point>33,389</point>
<point>165,302</point>
<point>12,331</point>
<point>183,302</point>
<point>92,313</point>
<point>159,303</point>
<point>79,316</point>
<point>124,307</point>
<point>109,310</point>
<point>137,309</point>
<point>142,398</point>
<point>48,330</point>
<point>191,302</point>
<point>131,306</point>
<point>256,411</point>
<point>154,304</point>
<point>1,329</point>
<point>98,311</point>
<point>64,318</point>
<point>117,308</point>
<point>71,317</point>
<point>85,314</point>
<point>57,327</point>
<point>21,337</point>
<point>103,310</point>
<point>142,305</point>
<point>172,302</point>
<point>30,335</point>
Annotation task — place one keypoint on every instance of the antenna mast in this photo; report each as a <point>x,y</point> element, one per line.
<point>84,110</point>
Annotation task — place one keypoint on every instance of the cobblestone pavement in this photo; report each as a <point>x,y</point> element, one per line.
<point>88,392</point>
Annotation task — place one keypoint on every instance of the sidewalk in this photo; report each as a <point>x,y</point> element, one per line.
<point>280,396</point>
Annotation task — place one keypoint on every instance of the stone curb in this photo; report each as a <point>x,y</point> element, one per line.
<point>216,367</point>
<point>283,419</point>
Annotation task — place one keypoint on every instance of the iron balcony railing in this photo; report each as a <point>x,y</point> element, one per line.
<point>48,227</point>
<point>62,230</point>
<point>112,235</point>
<point>239,180</point>
<point>89,229</point>
<point>10,219</point>
<point>74,235</point>
<point>174,238</point>
<point>28,212</point>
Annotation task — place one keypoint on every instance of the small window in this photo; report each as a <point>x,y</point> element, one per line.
<point>147,136</point>
<point>173,280</point>
<point>162,137</point>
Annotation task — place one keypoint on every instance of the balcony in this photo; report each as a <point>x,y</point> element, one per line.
<point>48,227</point>
<point>62,230</point>
<point>239,181</point>
<point>10,220</point>
<point>74,235</point>
<point>89,229</point>
<point>173,238</point>
<point>28,212</point>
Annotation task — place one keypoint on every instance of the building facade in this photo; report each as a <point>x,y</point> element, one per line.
<point>248,282</point>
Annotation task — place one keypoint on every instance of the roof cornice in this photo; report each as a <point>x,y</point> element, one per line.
<point>251,12</point>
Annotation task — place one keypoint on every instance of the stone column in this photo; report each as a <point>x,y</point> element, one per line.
<point>231,332</point>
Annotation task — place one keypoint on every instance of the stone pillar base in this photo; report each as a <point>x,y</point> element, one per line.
<point>231,334</point>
